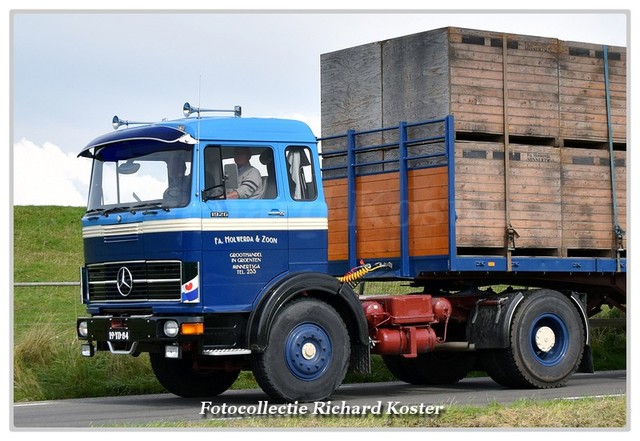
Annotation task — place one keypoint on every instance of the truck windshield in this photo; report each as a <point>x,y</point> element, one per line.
<point>157,179</point>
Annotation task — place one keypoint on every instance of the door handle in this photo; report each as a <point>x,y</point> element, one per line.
<point>276,212</point>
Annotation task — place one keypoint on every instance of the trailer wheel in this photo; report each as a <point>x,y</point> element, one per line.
<point>307,355</point>
<point>434,368</point>
<point>180,377</point>
<point>547,340</point>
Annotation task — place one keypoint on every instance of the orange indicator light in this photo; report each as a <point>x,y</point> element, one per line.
<point>192,328</point>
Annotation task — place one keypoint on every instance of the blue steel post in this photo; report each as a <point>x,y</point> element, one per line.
<point>449,146</point>
<point>351,195</point>
<point>404,200</point>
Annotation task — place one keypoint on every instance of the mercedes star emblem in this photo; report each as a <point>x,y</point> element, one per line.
<point>124,282</point>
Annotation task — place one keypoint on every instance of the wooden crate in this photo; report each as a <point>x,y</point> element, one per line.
<point>587,216</point>
<point>555,89</point>
<point>477,65</point>
<point>351,93</point>
<point>583,114</point>
<point>534,198</point>
<point>559,199</point>
<point>558,205</point>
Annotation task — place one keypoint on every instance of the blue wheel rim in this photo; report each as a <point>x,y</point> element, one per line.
<point>548,339</point>
<point>308,351</point>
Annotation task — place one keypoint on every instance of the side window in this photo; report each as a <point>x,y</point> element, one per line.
<point>213,175</point>
<point>239,173</point>
<point>302,185</point>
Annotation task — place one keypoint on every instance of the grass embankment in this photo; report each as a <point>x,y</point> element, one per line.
<point>47,362</point>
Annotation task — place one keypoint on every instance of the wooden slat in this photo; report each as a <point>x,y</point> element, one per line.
<point>428,230</point>
<point>378,215</point>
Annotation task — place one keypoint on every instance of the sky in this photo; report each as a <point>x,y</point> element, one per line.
<point>72,71</point>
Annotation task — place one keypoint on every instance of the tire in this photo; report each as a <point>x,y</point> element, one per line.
<point>308,353</point>
<point>546,344</point>
<point>179,377</point>
<point>431,368</point>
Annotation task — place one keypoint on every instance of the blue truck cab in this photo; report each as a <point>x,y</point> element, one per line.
<point>197,231</point>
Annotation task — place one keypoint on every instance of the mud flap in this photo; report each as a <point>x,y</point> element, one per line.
<point>586,364</point>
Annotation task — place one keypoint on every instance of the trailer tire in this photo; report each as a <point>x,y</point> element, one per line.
<point>307,355</point>
<point>546,342</point>
<point>431,368</point>
<point>179,377</point>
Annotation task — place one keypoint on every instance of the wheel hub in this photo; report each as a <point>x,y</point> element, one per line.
<point>549,339</point>
<point>545,338</point>
<point>309,351</point>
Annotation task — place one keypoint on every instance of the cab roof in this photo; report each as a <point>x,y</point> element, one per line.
<point>207,129</point>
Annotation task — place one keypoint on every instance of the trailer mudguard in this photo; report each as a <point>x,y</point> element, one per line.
<point>490,321</point>
<point>311,284</point>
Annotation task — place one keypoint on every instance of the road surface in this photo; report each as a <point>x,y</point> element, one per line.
<point>390,397</point>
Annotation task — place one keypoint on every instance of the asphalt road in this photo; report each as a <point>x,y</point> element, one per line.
<point>394,397</point>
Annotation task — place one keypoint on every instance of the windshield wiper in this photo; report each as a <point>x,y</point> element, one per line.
<point>148,205</point>
<point>94,213</point>
<point>105,211</point>
<point>108,211</point>
<point>95,210</point>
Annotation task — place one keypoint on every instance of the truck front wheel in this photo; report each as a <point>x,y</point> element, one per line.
<point>182,378</point>
<point>546,344</point>
<point>307,355</point>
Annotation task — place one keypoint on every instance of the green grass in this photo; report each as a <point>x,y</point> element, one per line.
<point>47,243</point>
<point>47,363</point>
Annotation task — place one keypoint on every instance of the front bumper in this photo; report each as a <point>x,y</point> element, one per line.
<point>134,334</point>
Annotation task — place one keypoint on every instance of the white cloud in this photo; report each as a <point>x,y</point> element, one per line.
<point>45,175</point>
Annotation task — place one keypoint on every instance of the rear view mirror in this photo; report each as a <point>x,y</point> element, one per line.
<point>128,168</point>
<point>231,176</point>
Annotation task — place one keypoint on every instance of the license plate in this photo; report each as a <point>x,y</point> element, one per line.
<point>118,335</point>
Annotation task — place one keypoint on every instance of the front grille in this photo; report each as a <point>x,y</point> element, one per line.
<point>135,281</point>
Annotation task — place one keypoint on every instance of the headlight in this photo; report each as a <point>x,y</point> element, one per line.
<point>171,328</point>
<point>83,329</point>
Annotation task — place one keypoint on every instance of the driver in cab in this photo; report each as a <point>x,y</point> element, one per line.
<point>249,179</point>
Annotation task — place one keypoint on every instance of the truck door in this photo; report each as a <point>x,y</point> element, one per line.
<point>244,225</point>
<point>307,211</point>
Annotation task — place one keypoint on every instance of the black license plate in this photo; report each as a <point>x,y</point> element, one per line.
<point>118,335</point>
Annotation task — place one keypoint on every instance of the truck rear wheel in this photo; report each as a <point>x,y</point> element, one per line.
<point>307,355</point>
<point>546,343</point>
<point>180,377</point>
<point>431,368</point>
